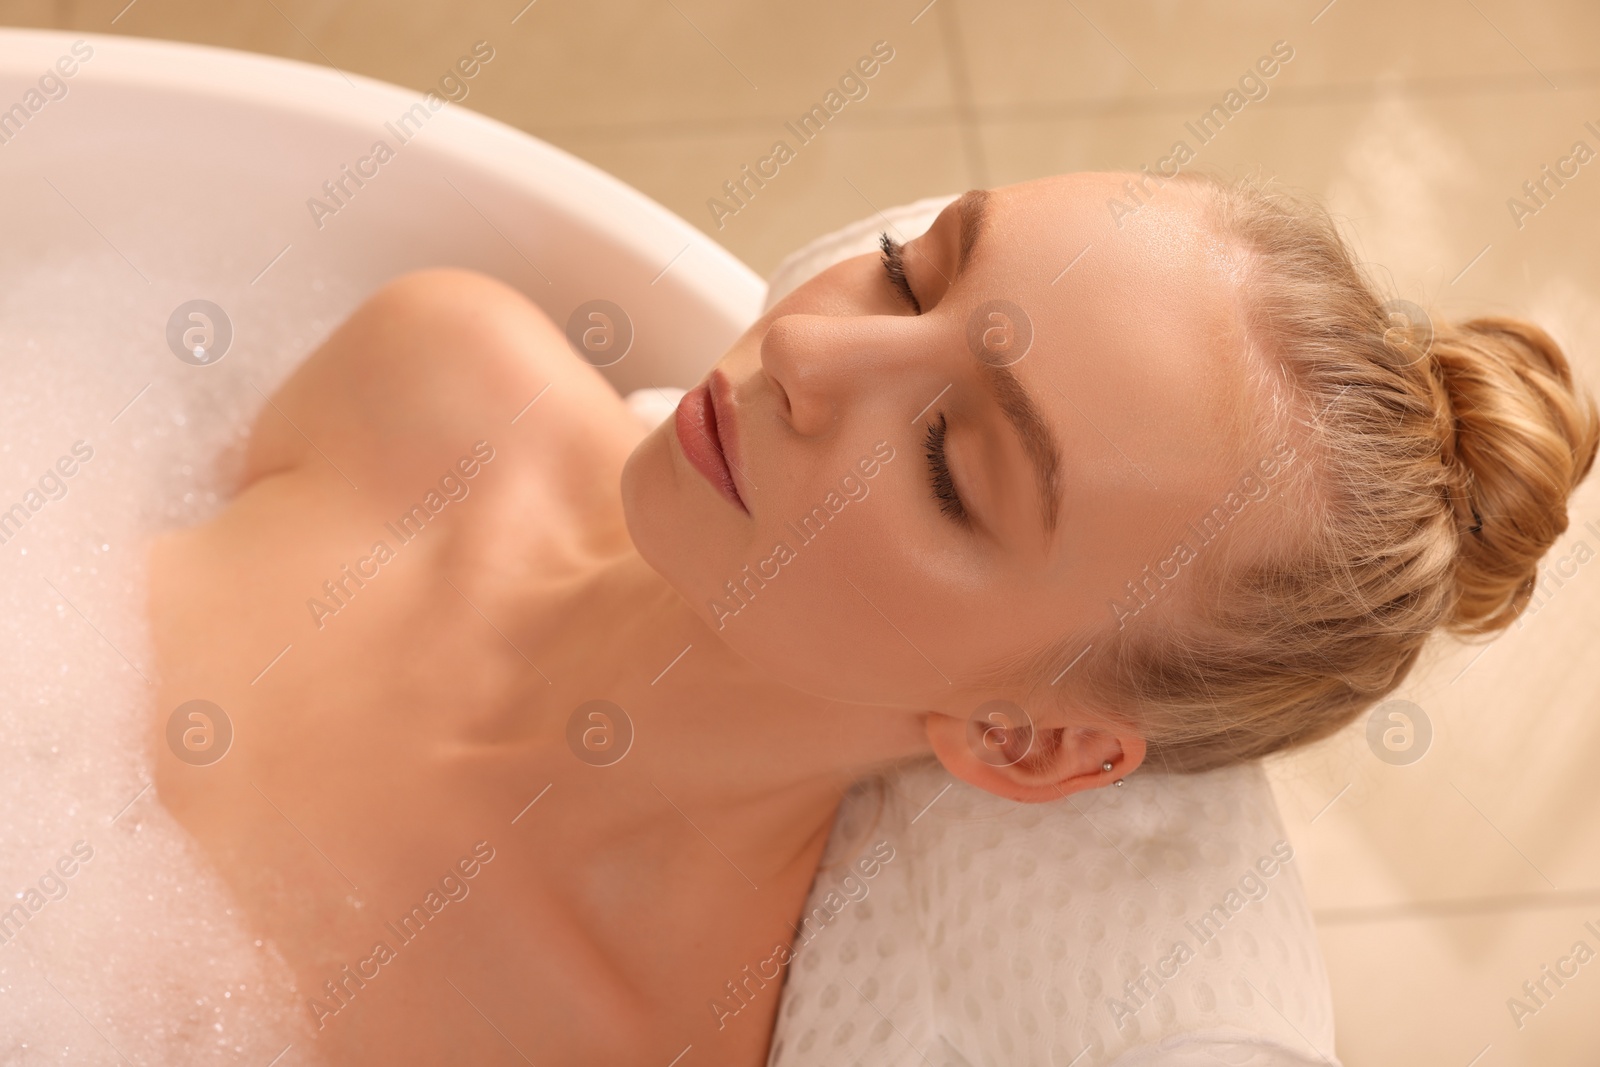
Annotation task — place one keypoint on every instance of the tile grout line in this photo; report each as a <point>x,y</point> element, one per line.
<point>1467,907</point>
<point>1168,105</point>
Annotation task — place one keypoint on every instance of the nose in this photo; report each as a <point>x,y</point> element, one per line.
<point>826,363</point>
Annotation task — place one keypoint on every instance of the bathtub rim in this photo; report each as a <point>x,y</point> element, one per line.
<point>589,196</point>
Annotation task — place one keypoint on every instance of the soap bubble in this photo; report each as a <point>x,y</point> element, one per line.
<point>199,332</point>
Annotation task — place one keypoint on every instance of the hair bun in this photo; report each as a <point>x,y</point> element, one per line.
<point>1521,437</point>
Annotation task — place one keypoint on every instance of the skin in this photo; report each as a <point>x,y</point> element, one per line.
<point>426,714</point>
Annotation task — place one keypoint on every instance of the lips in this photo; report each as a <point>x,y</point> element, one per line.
<point>705,433</point>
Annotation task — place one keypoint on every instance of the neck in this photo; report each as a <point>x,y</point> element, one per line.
<point>721,752</point>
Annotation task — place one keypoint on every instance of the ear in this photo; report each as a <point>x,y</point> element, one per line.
<point>1032,764</point>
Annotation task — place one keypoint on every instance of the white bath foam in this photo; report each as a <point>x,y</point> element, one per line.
<point>143,958</point>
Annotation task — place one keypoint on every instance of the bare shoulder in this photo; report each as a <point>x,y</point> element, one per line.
<point>388,422</point>
<point>429,366</point>
<point>413,416</point>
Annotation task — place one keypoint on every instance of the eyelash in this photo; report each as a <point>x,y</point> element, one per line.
<point>944,487</point>
<point>894,266</point>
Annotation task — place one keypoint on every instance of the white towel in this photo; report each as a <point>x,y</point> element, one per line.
<point>654,405</point>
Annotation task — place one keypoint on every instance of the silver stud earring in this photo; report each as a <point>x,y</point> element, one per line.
<point>1106,766</point>
<point>1117,782</point>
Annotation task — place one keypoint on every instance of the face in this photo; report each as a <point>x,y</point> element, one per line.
<point>911,503</point>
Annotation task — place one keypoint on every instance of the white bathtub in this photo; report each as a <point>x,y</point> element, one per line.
<point>168,173</point>
<point>195,165</point>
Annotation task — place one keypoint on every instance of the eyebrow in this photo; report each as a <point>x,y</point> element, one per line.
<point>1038,440</point>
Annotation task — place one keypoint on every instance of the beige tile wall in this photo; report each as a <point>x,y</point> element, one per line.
<point>1441,886</point>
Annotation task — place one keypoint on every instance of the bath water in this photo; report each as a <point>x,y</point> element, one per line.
<point>118,943</point>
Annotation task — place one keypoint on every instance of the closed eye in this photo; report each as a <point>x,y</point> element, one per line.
<point>894,266</point>
<point>944,486</point>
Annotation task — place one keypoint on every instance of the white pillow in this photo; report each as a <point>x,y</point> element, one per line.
<point>656,404</point>
<point>1158,923</point>
<point>902,223</point>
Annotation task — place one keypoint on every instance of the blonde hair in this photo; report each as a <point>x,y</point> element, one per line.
<point>1437,463</point>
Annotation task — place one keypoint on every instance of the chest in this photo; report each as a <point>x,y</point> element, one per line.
<point>375,810</point>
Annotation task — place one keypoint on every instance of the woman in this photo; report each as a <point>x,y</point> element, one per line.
<point>1041,495</point>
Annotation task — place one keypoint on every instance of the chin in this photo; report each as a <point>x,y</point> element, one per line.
<point>670,518</point>
<point>651,496</point>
